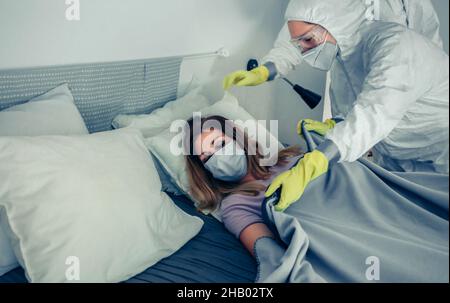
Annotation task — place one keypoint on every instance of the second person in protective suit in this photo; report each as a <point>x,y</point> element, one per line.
<point>389,86</point>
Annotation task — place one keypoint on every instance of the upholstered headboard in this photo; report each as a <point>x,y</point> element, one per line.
<point>101,90</point>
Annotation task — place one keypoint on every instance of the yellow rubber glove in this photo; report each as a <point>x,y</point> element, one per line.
<point>254,77</point>
<point>319,127</point>
<point>294,181</point>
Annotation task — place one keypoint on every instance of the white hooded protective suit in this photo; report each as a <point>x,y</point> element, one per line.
<point>418,15</point>
<point>389,84</point>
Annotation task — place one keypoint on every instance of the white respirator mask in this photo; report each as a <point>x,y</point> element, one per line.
<point>228,164</point>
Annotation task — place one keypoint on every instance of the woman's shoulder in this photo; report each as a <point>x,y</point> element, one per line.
<point>232,199</point>
<point>241,202</point>
<point>241,199</point>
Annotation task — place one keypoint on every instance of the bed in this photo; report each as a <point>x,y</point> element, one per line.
<point>102,91</point>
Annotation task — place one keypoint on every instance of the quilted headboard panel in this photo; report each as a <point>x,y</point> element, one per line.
<point>101,90</point>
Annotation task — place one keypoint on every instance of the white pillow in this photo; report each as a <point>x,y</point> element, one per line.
<point>160,119</point>
<point>53,113</point>
<point>92,201</point>
<point>229,108</point>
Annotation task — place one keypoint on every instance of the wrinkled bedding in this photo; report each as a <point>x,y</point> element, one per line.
<point>360,223</point>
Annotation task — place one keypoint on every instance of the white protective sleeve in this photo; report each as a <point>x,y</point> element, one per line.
<point>422,17</point>
<point>401,71</point>
<point>284,55</point>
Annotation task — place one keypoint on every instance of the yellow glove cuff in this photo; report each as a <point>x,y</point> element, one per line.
<point>262,71</point>
<point>330,122</point>
<point>318,161</point>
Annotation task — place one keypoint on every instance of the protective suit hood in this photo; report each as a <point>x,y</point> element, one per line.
<point>342,18</point>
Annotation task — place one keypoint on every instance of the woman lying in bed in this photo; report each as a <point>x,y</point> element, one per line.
<point>236,182</point>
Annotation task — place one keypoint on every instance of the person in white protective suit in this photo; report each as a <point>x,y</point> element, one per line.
<point>389,85</point>
<point>418,15</point>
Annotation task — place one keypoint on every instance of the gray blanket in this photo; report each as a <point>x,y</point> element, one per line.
<point>360,223</point>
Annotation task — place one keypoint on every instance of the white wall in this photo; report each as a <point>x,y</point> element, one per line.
<point>35,33</point>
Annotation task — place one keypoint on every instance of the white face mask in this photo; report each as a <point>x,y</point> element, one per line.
<point>322,57</point>
<point>228,164</point>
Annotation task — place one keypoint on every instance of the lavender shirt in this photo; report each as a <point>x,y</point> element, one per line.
<point>240,211</point>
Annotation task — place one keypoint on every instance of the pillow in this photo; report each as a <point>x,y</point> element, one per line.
<point>53,113</point>
<point>87,208</point>
<point>184,87</point>
<point>160,119</point>
<point>227,107</point>
<point>167,183</point>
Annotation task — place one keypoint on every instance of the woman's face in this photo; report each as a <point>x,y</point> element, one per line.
<point>208,142</point>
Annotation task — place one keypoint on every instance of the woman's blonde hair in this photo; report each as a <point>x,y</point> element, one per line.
<point>208,191</point>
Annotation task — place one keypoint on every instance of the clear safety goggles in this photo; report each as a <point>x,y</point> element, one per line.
<point>315,37</point>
